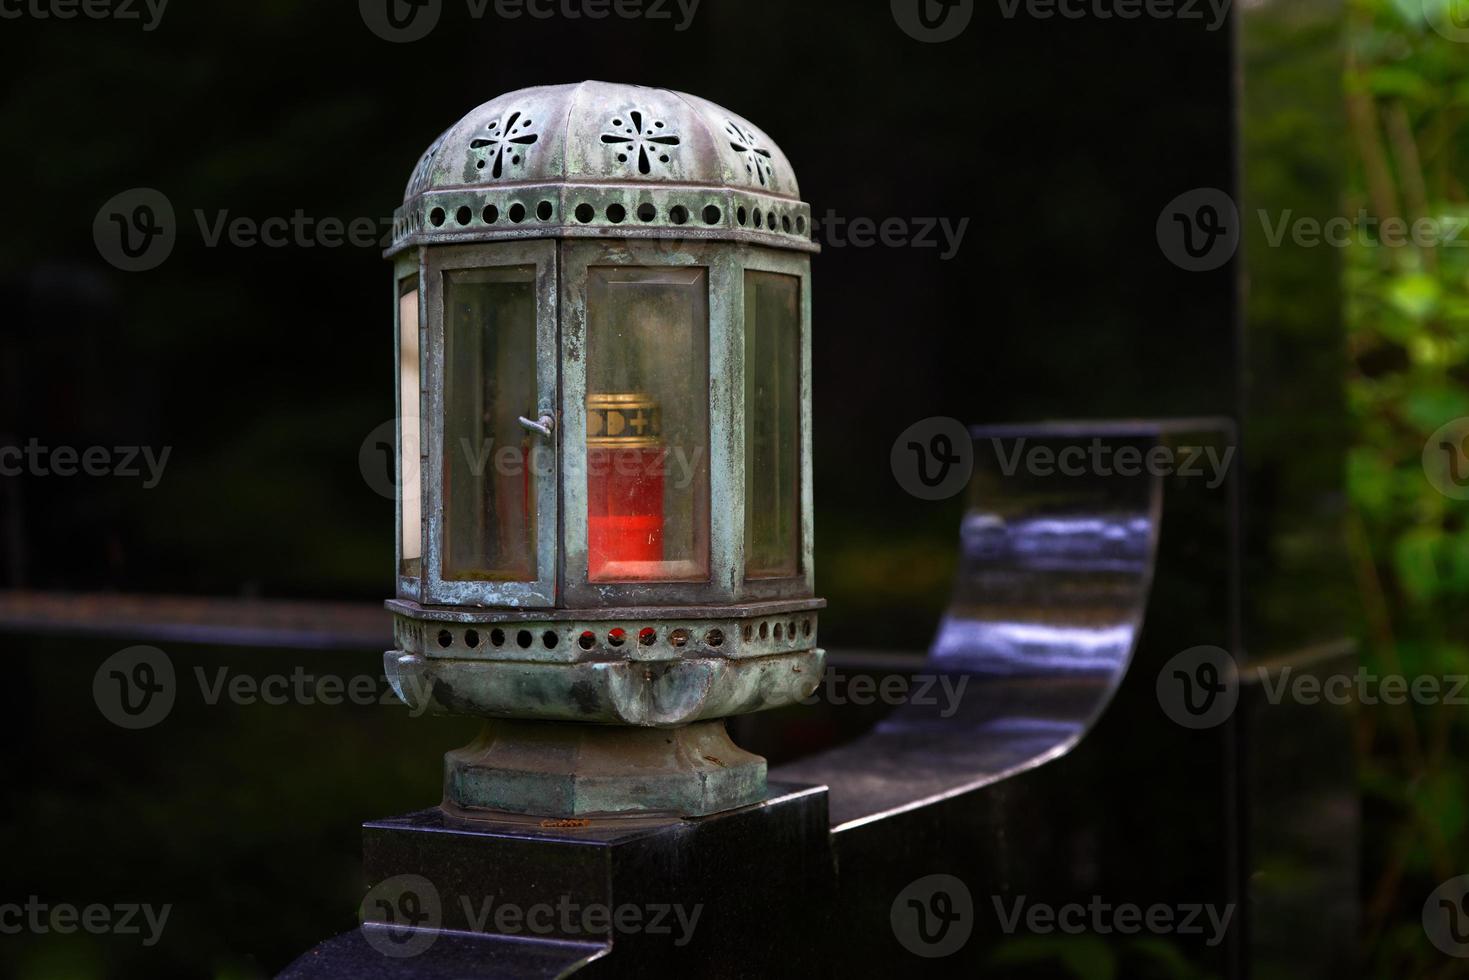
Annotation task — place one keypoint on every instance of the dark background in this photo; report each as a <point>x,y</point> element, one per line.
<point>264,369</point>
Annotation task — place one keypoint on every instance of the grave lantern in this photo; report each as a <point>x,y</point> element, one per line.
<point>603,329</point>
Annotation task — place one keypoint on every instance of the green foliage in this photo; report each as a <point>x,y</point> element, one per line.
<point>1408,334</point>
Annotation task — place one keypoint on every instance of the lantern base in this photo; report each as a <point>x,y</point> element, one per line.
<point>552,769</point>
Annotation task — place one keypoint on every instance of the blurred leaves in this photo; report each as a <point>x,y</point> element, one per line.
<point>1415,295</point>
<point>1408,332</point>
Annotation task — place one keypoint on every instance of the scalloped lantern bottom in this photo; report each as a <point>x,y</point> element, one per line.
<point>592,716</point>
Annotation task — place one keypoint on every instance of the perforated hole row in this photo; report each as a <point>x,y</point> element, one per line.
<point>465,216</point>
<point>647,636</point>
<point>748,215</point>
<point>647,213</point>
<point>497,638</point>
<point>770,220</point>
<point>784,630</point>
<point>617,637</point>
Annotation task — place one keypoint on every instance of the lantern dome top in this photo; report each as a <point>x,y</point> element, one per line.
<point>598,159</point>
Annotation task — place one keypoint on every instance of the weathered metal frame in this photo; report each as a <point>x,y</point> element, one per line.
<point>407,265</point>
<point>722,267</point>
<point>664,693</point>
<point>726,265</point>
<point>803,583</point>
<point>785,224</point>
<point>437,262</point>
<point>733,632</point>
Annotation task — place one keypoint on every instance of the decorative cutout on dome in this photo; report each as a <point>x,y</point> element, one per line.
<point>757,158</point>
<point>503,145</point>
<point>424,171</point>
<point>632,138</point>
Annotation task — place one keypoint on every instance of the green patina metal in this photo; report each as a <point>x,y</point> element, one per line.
<point>606,695</point>
<point>592,770</point>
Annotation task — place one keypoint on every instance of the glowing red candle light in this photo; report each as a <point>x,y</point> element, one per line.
<point>625,457</point>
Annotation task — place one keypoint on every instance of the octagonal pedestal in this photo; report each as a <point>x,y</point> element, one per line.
<point>550,769</point>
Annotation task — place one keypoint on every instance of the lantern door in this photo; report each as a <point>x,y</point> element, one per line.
<point>647,394</point>
<point>492,445</point>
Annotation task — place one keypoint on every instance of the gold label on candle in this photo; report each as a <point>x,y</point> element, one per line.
<point>623,421</point>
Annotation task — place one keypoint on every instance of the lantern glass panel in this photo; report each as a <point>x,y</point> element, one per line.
<point>409,392</point>
<point>647,424</point>
<point>772,424</point>
<point>489,522</point>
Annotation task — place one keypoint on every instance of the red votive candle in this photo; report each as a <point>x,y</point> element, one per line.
<point>625,463</point>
